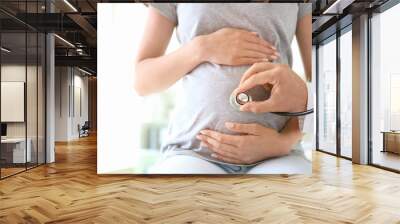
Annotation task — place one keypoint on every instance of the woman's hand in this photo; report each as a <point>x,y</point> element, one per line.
<point>230,46</point>
<point>255,143</point>
<point>288,94</point>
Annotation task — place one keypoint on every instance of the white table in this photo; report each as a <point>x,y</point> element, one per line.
<point>18,144</point>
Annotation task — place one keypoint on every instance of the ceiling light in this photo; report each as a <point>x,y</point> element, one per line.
<point>337,7</point>
<point>84,71</point>
<point>70,5</point>
<point>64,40</point>
<point>5,50</point>
<point>79,51</point>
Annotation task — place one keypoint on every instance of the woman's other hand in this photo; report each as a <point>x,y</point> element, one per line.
<point>255,142</point>
<point>231,46</point>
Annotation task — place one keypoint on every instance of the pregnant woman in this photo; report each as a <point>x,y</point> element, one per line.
<point>219,43</point>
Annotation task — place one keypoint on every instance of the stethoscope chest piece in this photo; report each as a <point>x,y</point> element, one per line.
<point>242,98</point>
<point>260,93</point>
<point>257,93</point>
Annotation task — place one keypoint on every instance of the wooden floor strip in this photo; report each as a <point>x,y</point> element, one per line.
<point>70,191</point>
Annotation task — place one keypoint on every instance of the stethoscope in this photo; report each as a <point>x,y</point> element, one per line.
<point>260,93</point>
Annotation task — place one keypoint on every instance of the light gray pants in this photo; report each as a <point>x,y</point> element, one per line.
<point>294,163</point>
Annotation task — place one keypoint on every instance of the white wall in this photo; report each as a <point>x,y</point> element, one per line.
<point>67,115</point>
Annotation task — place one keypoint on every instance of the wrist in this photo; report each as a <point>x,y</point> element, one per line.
<point>303,105</point>
<point>284,142</point>
<point>200,47</point>
<point>279,147</point>
<point>287,140</point>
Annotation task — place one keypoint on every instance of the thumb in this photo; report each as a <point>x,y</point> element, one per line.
<point>259,106</point>
<point>252,129</point>
<point>255,33</point>
<point>260,78</point>
<point>256,68</point>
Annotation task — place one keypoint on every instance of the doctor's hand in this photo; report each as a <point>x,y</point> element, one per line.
<point>288,94</point>
<point>255,143</point>
<point>231,46</point>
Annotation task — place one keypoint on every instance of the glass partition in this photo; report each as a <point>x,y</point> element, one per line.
<point>14,153</point>
<point>22,77</point>
<point>327,96</point>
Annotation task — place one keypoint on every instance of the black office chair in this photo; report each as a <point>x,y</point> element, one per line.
<point>84,130</point>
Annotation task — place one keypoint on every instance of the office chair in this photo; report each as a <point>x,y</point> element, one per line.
<point>84,130</point>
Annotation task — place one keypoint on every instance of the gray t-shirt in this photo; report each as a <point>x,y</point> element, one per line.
<point>206,89</point>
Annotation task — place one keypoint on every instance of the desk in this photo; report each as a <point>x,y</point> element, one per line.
<point>15,148</point>
<point>391,141</point>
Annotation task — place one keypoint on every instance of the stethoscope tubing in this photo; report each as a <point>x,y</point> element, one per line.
<point>295,114</point>
<point>235,102</point>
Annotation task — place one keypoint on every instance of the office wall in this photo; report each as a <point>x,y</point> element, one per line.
<point>15,72</point>
<point>80,112</point>
<point>71,102</point>
<point>92,88</point>
<point>12,98</point>
<point>62,80</point>
<point>33,126</point>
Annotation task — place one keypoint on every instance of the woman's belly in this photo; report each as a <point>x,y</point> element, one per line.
<point>205,105</point>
